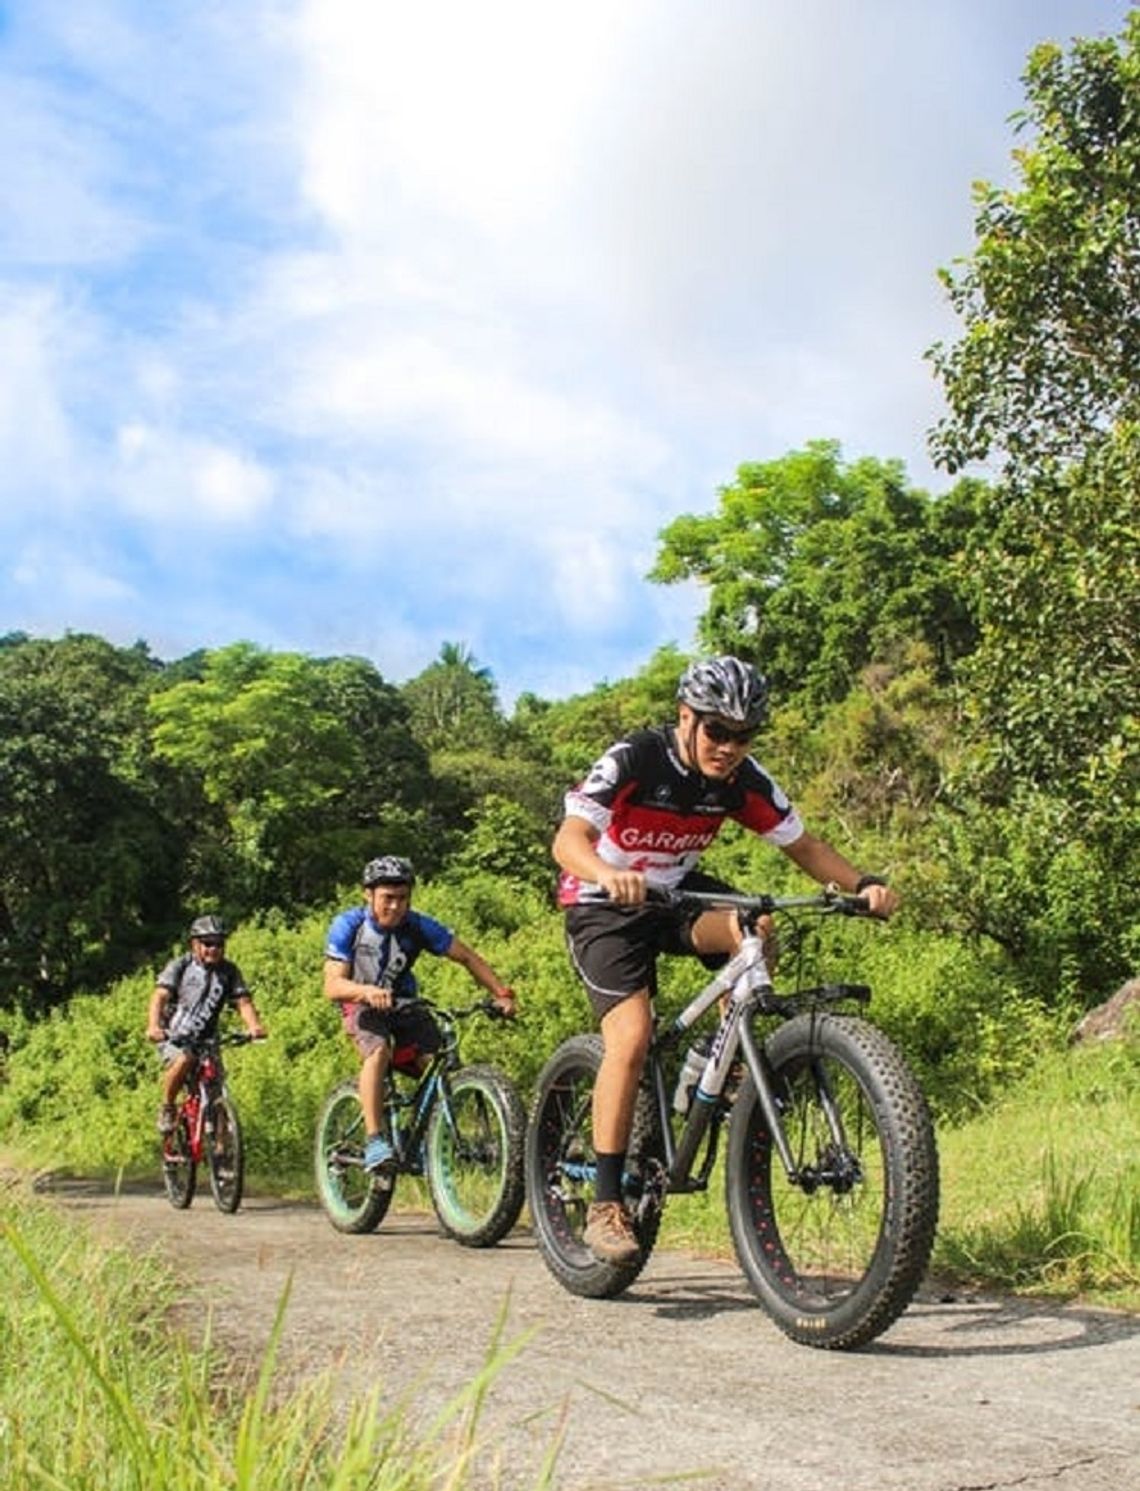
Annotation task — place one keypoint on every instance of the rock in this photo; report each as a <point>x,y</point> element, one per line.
<point>1106,1022</point>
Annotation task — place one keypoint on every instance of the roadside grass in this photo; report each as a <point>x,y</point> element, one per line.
<point>1040,1191</point>
<point>100,1391</point>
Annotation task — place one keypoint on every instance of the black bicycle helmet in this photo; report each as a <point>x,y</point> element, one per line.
<point>726,687</point>
<point>207,926</point>
<point>389,869</point>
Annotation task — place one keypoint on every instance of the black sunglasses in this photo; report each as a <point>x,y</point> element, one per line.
<point>212,941</point>
<point>721,734</point>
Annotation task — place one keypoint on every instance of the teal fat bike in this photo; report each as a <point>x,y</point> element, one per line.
<point>460,1127</point>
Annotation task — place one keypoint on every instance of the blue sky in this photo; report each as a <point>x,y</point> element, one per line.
<point>343,326</point>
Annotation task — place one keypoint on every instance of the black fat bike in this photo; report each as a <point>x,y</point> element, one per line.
<point>460,1127</point>
<point>831,1170</point>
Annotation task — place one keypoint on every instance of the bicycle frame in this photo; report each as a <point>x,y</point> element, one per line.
<point>206,1082</point>
<point>747,982</point>
<point>198,1098</point>
<point>431,1087</point>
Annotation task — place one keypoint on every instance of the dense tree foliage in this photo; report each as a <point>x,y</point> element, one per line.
<point>87,855</point>
<point>310,763</point>
<point>815,568</point>
<point>1049,358</point>
<point>1045,380</point>
<point>453,703</point>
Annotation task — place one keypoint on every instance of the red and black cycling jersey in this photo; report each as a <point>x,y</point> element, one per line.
<point>656,815</point>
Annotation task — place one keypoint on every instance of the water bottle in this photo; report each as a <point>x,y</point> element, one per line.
<point>692,1068</point>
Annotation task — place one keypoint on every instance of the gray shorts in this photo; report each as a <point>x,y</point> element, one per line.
<point>171,1051</point>
<point>404,1029</point>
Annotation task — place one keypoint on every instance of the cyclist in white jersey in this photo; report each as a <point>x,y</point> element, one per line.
<point>642,818</point>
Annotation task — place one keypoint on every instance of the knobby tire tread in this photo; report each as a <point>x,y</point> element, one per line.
<point>180,1179</point>
<point>907,1230</point>
<point>558,1221</point>
<point>226,1189</point>
<point>490,1226</point>
<point>363,1207</point>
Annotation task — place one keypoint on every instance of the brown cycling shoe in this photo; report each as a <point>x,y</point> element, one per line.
<point>609,1233</point>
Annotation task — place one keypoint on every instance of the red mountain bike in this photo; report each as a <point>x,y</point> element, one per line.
<point>206,1128</point>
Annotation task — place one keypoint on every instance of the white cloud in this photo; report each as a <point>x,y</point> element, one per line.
<point>39,451</point>
<point>47,567</point>
<point>167,478</point>
<point>56,184</point>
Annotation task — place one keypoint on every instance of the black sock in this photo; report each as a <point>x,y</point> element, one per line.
<point>608,1185</point>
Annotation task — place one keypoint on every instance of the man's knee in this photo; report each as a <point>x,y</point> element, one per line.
<point>627,1031</point>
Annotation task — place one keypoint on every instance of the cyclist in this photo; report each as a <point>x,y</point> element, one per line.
<point>641,818</point>
<point>368,972</point>
<point>187,1003</point>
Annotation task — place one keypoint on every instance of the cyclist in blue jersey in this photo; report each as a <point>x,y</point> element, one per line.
<point>368,973</point>
<point>641,819</point>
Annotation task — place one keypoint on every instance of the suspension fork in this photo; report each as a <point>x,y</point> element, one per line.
<point>764,1078</point>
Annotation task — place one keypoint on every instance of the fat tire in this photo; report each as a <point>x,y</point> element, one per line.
<point>862,1250</point>
<point>488,1110</point>
<point>559,1132</point>
<point>225,1156</point>
<point>352,1200</point>
<point>179,1172</point>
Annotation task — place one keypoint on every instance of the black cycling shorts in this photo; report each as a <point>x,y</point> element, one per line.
<point>614,949</point>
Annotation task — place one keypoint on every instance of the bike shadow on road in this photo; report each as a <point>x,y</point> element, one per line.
<point>1003,1327</point>
<point>934,1327</point>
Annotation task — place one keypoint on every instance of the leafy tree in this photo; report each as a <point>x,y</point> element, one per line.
<point>1049,358</point>
<point>1046,379</point>
<point>453,704</point>
<point>572,733</point>
<point>307,760</point>
<point>480,762</point>
<point>815,569</point>
<point>87,856</point>
<point>508,842</point>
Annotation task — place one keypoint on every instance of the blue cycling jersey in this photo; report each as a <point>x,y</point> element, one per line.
<point>385,956</point>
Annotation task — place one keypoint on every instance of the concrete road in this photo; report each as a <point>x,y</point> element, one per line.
<point>682,1381</point>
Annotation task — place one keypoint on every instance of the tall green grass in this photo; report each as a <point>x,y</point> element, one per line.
<point>99,1392</point>
<point>1042,1192</point>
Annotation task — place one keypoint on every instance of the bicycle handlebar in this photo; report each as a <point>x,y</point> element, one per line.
<point>486,1007</point>
<point>826,902</point>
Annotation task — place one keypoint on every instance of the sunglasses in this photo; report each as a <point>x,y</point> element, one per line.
<point>212,941</point>
<point>721,734</point>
